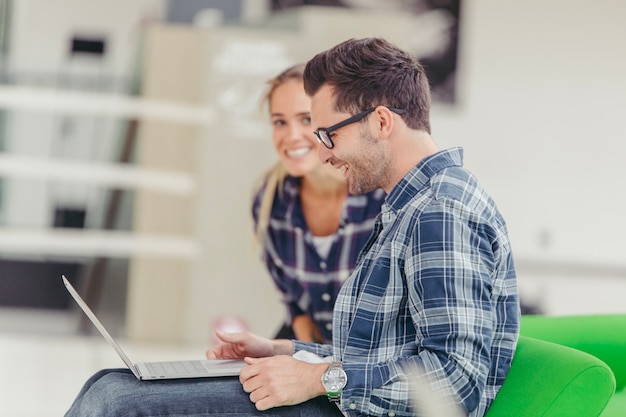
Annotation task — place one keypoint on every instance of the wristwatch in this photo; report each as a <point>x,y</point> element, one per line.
<point>334,380</point>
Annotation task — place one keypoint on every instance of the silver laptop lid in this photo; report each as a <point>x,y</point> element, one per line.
<point>99,326</point>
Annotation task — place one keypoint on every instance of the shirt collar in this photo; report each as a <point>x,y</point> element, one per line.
<point>419,176</point>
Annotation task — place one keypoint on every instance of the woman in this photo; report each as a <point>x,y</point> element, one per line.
<point>310,229</point>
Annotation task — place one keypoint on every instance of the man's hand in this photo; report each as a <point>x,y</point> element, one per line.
<point>281,380</point>
<point>241,345</point>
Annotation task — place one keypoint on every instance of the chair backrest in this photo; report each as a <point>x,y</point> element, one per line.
<point>601,335</point>
<point>551,380</point>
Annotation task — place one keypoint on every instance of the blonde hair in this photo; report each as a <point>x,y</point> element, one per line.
<point>275,176</point>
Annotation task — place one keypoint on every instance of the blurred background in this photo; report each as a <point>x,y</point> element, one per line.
<point>132,135</point>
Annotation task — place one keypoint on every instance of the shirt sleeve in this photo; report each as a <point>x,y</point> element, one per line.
<point>316,348</point>
<point>287,286</point>
<point>447,277</point>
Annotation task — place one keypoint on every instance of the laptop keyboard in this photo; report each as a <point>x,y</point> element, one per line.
<point>176,368</point>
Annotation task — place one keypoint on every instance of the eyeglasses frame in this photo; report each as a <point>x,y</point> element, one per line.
<point>353,119</point>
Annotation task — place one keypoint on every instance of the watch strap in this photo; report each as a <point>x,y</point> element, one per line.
<point>333,397</point>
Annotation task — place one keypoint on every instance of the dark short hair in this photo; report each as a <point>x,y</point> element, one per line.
<point>366,73</point>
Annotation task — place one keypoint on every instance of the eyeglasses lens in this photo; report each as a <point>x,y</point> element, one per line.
<point>323,137</point>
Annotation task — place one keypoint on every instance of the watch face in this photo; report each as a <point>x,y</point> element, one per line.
<point>334,379</point>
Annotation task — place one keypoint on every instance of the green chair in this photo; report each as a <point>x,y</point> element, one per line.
<point>601,335</point>
<point>551,380</point>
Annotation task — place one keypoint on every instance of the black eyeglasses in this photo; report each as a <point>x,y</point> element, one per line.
<point>323,134</point>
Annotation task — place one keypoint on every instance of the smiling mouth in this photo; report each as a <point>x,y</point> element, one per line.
<point>298,152</point>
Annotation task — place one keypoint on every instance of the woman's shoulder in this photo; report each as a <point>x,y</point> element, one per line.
<point>365,206</point>
<point>372,199</point>
<point>283,193</point>
<point>377,195</point>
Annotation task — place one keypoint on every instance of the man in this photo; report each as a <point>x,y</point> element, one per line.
<point>434,292</point>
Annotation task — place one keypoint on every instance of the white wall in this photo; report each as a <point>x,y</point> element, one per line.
<point>543,97</point>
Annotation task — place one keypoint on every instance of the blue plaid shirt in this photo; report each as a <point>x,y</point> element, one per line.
<point>435,291</point>
<point>309,283</point>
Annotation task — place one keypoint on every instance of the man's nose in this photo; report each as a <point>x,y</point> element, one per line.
<point>295,131</point>
<point>324,153</point>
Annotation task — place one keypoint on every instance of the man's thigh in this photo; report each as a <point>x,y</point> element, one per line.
<point>118,393</point>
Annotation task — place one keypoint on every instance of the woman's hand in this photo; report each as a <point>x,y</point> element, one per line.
<point>305,329</point>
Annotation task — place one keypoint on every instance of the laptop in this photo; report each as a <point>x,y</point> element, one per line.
<point>162,370</point>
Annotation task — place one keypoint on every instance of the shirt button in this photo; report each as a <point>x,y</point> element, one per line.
<point>326,296</point>
<point>329,326</point>
<point>352,406</point>
<point>391,414</point>
<point>323,265</point>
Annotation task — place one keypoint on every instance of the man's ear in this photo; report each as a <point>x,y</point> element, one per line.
<point>385,121</point>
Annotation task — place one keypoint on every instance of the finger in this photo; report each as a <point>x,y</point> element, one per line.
<point>216,352</point>
<point>222,351</point>
<point>252,361</point>
<point>259,394</point>
<point>219,352</point>
<point>231,337</point>
<point>264,404</point>
<point>247,373</point>
<point>251,385</point>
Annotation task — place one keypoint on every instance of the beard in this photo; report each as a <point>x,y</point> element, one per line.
<point>369,166</point>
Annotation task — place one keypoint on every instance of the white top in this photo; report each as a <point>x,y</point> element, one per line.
<point>323,244</point>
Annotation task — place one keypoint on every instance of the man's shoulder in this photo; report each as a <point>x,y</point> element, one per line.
<point>366,205</point>
<point>459,184</point>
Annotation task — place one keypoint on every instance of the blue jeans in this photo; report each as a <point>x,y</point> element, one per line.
<point>116,392</point>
